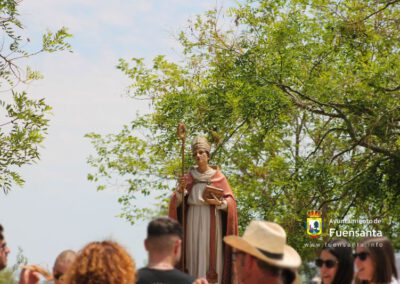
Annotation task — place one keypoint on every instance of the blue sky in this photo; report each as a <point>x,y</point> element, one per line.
<point>58,208</point>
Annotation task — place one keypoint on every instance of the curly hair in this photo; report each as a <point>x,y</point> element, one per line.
<point>103,262</point>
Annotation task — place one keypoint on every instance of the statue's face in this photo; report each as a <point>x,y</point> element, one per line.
<point>200,156</point>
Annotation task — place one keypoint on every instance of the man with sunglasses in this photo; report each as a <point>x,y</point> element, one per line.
<point>4,250</point>
<point>262,255</point>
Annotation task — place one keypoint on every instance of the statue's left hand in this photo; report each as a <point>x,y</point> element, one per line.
<point>223,205</point>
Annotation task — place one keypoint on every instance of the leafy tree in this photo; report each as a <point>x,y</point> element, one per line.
<point>301,101</point>
<point>24,120</point>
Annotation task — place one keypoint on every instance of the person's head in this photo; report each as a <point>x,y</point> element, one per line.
<point>374,260</point>
<point>262,252</point>
<point>4,250</point>
<point>62,264</point>
<point>201,150</point>
<point>335,262</point>
<point>164,238</point>
<point>104,262</point>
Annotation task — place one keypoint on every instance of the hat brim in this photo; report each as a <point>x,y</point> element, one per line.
<point>291,259</point>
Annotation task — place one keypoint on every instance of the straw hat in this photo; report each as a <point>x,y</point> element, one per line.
<point>267,242</point>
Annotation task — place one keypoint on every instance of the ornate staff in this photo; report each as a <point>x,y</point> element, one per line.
<point>182,136</point>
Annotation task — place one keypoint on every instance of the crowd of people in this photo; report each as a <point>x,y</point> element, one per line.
<point>261,255</point>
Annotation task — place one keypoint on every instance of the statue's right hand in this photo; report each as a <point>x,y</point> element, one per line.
<point>182,184</point>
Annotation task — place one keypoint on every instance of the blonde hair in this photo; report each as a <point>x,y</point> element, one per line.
<point>103,262</point>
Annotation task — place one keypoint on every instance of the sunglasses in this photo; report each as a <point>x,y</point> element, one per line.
<point>328,263</point>
<point>362,255</point>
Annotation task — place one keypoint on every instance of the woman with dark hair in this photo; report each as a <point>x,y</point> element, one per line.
<point>335,262</point>
<point>374,260</point>
<point>104,262</point>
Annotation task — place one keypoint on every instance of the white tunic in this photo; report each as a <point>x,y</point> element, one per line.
<point>198,229</point>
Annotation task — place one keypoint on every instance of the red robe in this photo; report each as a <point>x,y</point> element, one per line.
<point>229,218</point>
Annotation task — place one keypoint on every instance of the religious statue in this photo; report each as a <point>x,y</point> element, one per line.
<point>210,214</point>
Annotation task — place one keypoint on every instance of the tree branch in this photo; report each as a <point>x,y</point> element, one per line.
<point>301,104</point>
<point>322,139</point>
<point>9,122</point>
<point>343,152</point>
<point>392,90</point>
<point>380,10</point>
<point>226,139</point>
<point>339,114</point>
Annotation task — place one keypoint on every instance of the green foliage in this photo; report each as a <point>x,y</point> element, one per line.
<point>301,101</point>
<point>23,124</point>
<point>130,157</point>
<point>56,41</point>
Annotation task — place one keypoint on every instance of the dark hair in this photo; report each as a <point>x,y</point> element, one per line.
<point>1,233</point>
<point>273,270</point>
<point>382,254</point>
<point>288,276</point>
<point>341,249</point>
<point>164,226</point>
